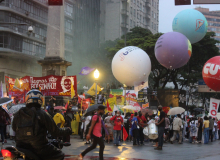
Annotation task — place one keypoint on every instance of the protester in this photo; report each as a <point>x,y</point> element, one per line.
<point>2,125</point>
<point>219,129</point>
<point>142,122</point>
<point>193,130</point>
<point>211,125</point>
<point>95,130</point>
<point>101,99</point>
<point>135,129</point>
<point>177,123</point>
<point>200,125</point>
<point>68,125</point>
<point>59,119</point>
<point>48,107</point>
<point>161,127</point>
<point>52,100</point>
<point>130,125</point>
<point>87,121</point>
<point>118,122</point>
<point>109,128</point>
<point>206,130</point>
<point>51,112</point>
<point>171,127</point>
<point>167,128</point>
<point>215,129</point>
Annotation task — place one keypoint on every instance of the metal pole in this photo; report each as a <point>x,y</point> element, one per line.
<point>96,92</point>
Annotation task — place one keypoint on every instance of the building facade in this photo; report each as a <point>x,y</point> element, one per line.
<point>123,15</point>
<point>20,49</point>
<point>213,18</point>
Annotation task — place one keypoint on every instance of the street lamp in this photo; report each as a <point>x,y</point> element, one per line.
<point>96,75</point>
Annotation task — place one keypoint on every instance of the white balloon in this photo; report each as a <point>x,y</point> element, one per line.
<point>131,66</point>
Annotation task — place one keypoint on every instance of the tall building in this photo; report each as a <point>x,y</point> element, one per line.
<point>213,18</point>
<point>20,49</point>
<point>123,15</point>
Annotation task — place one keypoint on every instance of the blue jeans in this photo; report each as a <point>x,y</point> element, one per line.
<point>116,134</point>
<point>160,136</point>
<point>206,135</point>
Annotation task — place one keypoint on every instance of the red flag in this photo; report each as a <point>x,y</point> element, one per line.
<point>79,100</point>
<point>66,106</point>
<point>108,107</point>
<point>125,134</point>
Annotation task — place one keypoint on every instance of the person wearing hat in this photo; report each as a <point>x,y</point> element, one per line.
<point>95,130</point>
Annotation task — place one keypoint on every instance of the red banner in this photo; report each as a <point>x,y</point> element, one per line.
<point>49,85</point>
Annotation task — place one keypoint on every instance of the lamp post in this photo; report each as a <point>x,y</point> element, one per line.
<point>96,75</point>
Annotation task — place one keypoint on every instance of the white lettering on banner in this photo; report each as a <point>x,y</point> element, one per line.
<point>211,68</point>
<point>213,109</point>
<point>44,84</point>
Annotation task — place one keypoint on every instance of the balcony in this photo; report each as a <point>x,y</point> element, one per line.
<point>124,25</point>
<point>148,3</point>
<point>124,12</point>
<point>148,16</point>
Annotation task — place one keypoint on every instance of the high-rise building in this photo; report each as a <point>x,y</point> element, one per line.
<point>213,18</point>
<point>19,48</point>
<point>123,15</point>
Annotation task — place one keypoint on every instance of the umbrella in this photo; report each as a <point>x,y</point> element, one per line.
<point>16,108</point>
<point>147,110</point>
<point>5,100</point>
<point>93,108</point>
<point>60,107</point>
<point>201,115</point>
<point>198,109</point>
<point>130,107</point>
<point>176,110</point>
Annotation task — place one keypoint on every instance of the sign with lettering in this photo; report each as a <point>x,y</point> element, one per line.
<point>48,85</point>
<point>213,108</point>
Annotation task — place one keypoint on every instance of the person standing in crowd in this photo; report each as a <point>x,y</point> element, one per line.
<point>95,130</point>
<point>218,129</point>
<point>59,119</point>
<point>48,107</point>
<point>177,123</point>
<point>2,124</point>
<point>193,130</point>
<point>211,125</point>
<point>118,121</point>
<point>101,99</point>
<point>200,124</point>
<point>167,128</point>
<point>135,129</point>
<point>215,129</point>
<point>171,127</point>
<point>52,100</point>
<point>126,123</point>
<point>67,124</point>
<point>130,125</point>
<point>87,121</point>
<point>161,127</point>
<point>142,122</point>
<point>206,130</point>
<point>51,112</point>
<point>109,128</point>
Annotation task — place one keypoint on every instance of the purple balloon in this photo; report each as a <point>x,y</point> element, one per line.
<point>173,50</point>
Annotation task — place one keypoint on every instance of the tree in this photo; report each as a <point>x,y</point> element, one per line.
<point>190,73</point>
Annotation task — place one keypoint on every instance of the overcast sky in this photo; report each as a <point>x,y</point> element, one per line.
<point>167,11</point>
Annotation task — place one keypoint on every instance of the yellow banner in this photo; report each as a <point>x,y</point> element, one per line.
<point>92,90</point>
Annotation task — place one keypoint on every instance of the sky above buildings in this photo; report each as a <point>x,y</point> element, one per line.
<point>167,11</point>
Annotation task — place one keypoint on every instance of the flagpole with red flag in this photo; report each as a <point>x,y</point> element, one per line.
<point>125,134</point>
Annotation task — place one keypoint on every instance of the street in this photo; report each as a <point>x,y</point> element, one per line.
<point>129,152</point>
<point>170,151</point>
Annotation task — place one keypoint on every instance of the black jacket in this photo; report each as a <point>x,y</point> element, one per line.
<point>45,123</point>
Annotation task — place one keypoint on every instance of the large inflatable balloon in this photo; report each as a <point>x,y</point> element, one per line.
<point>173,50</point>
<point>131,66</point>
<point>191,23</point>
<point>211,73</point>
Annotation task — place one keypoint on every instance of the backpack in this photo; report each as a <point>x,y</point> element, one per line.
<point>27,122</point>
<point>89,125</point>
<point>193,128</point>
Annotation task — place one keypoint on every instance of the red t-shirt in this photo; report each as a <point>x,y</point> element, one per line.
<point>117,121</point>
<point>141,120</point>
<point>219,125</point>
<point>98,126</point>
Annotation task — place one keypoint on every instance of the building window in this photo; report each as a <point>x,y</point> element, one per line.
<point>155,27</point>
<point>68,9</point>
<point>137,15</point>
<point>152,25</point>
<point>68,25</point>
<point>134,13</point>
<point>131,10</point>
<point>130,23</point>
<point>68,42</point>
<point>152,14</point>
<point>29,8</point>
